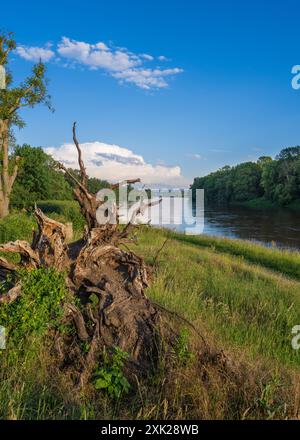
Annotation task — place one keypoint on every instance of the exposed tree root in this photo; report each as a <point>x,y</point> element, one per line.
<point>108,281</point>
<point>11,295</point>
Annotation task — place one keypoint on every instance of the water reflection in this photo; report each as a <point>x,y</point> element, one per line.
<point>276,227</point>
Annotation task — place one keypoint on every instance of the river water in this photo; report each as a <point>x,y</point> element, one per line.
<point>280,227</point>
<point>272,227</point>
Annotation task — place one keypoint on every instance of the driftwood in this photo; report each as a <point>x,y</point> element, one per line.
<point>95,265</point>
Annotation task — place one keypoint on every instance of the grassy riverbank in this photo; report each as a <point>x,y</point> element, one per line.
<point>242,298</point>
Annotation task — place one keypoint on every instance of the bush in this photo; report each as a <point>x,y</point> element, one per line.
<point>38,308</point>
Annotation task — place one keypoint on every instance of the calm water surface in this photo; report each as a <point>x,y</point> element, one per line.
<point>278,227</point>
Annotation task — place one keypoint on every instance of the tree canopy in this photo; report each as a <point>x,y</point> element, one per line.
<point>39,179</point>
<point>277,180</point>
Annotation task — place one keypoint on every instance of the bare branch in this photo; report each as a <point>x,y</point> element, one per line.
<point>125,182</point>
<point>84,176</point>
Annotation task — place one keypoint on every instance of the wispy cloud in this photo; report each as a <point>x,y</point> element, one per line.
<point>147,57</point>
<point>120,63</point>
<point>195,156</point>
<point>147,78</point>
<point>163,58</point>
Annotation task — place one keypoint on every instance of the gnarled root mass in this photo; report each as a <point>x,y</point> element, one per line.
<point>109,282</point>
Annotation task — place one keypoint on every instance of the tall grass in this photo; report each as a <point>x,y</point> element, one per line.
<point>17,226</point>
<point>285,262</point>
<point>242,304</point>
<point>228,292</point>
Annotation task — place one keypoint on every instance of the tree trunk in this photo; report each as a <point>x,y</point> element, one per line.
<point>7,176</point>
<point>4,205</point>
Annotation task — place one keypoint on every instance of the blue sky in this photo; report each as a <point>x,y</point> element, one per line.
<point>223,95</point>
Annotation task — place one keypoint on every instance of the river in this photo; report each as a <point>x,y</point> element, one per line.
<point>272,227</point>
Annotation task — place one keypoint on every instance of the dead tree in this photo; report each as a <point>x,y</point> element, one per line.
<point>96,265</point>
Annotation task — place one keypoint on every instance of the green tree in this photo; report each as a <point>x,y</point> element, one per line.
<point>38,178</point>
<point>262,160</point>
<point>246,182</point>
<point>32,91</point>
<point>289,153</point>
<point>94,185</point>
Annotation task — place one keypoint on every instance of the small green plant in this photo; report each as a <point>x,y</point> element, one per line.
<point>182,350</point>
<point>110,377</point>
<point>38,308</point>
<point>267,400</point>
<point>85,346</point>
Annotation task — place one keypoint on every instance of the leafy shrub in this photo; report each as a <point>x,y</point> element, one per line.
<point>38,308</point>
<point>111,377</point>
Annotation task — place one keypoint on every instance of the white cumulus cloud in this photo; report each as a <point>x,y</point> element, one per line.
<point>115,163</point>
<point>96,55</point>
<point>120,63</point>
<point>35,53</point>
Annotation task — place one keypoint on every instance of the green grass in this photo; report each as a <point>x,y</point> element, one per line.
<point>23,364</point>
<point>17,226</point>
<point>243,305</point>
<point>282,261</point>
<point>241,297</point>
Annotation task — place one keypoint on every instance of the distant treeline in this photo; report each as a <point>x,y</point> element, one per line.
<point>277,181</point>
<point>39,179</point>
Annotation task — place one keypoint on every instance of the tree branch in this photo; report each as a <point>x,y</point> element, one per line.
<point>19,99</point>
<point>84,176</point>
<point>125,182</point>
